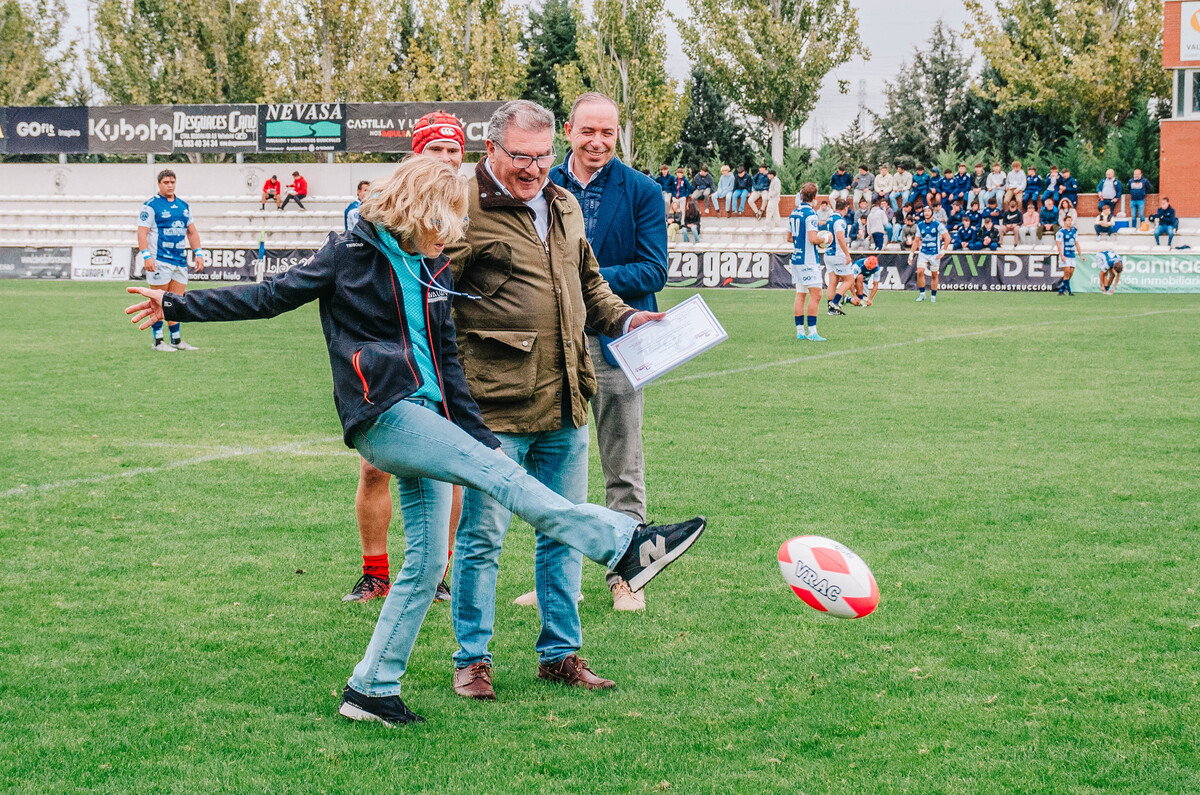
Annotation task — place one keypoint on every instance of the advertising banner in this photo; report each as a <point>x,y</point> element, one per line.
<point>1189,32</point>
<point>279,260</point>
<point>3,130</point>
<point>302,127</point>
<point>1144,273</point>
<point>215,128</point>
<point>387,126</point>
<point>130,129</point>
<point>100,264</point>
<point>46,130</point>
<point>35,263</point>
<point>993,272</point>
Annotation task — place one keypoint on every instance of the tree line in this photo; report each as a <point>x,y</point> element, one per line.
<point>1069,78</point>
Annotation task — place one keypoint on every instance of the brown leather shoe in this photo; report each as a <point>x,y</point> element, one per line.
<point>573,671</point>
<point>475,681</point>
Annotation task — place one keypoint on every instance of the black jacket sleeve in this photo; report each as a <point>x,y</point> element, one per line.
<point>289,290</point>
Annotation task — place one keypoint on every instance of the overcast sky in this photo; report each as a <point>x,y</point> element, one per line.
<point>889,28</point>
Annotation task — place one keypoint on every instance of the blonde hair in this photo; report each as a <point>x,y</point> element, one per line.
<point>422,198</point>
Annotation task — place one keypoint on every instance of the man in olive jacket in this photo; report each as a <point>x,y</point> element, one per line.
<point>529,285</point>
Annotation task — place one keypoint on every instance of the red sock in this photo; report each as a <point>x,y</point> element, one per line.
<point>376,565</point>
<point>449,560</point>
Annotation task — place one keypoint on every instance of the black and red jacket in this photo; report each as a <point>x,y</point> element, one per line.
<point>362,315</point>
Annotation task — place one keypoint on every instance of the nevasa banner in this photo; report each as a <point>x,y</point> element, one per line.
<point>131,129</point>
<point>302,127</point>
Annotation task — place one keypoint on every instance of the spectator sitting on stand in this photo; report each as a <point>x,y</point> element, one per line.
<point>741,190</point>
<point>975,215</point>
<point>920,185</point>
<point>1051,189</point>
<point>1139,186</point>
<point>1066,207</point>
<point>1029,224</point>
<point>758,196</point>
<point>962,236</point>
<point>839,184</point>
<point>1014,184</point>
<point>1109,190</point>
<point>910,227</point>
<point>1047,219</point>
<point>724,190</point>
<point>1105,223</point>
<point>680,187</point>
<point>823,212</point>
<point>703,188</point>
<point>903,190</point>
<point>956,213</point>
<point>988,237</point>
<point>674,220</point>
<point>297,191</point>
<point>884,184</point>
<point>995,185</point>
<point>691,221</point>
<point>664,181</point>
<point>939,213</point>
<point>860,221</point>
<point>863,185</point>
<point>978,185</point>
<point>993,210</point>
<point>271,190</point>
<point>1068,188</point>
<point>1165,222</point>
<point>1011,221</point>
<point>1033,188</point>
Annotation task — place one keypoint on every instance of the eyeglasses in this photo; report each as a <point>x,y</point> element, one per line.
<point>525,161</point>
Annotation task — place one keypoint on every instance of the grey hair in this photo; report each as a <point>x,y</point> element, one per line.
<point>592,96</point>
<point>521,113</point>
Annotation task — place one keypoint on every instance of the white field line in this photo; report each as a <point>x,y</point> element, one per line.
<point>903,343</point>
<point>232,452</point>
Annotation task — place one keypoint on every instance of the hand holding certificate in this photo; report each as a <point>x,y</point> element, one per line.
<point>658,347</point>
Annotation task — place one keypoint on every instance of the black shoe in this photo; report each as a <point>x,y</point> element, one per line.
<point>443,592</point>
<point>653,548</point>
<point>388,710</point>
<point>834,309</point>
<point>367,588</point>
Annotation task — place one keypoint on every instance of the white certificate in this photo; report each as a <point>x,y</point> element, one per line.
<point>658,347</point>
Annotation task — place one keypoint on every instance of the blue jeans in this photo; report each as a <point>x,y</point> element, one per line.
<point>559,460</point>
<point>1137,209</point>
<point>426,452</point>
<point>1164,229</point>
<point>739,200</point>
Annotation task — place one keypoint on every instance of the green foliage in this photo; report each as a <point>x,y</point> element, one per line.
<point>622,53</point>
<point>549,43</point>
<point>34,65</point>
<point>854,147</point>
<point>176,51</point>
<point>710,129</point>
<point>463,50</point>
<point>770,57</point>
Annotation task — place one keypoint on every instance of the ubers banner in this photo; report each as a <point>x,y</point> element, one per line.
<point>233,264</point>
<point>966,271</point>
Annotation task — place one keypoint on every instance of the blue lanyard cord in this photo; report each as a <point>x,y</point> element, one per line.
<point>389,242</point>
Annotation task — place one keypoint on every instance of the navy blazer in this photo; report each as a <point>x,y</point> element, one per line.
<point>630,237</point>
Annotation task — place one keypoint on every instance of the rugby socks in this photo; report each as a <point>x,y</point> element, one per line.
<point>837,300</point>
<point>449,560</point>
<point>812,325</point>
<point>1067,286</point>
<point>176,336</point>
<point>157,332</point>
<point>921,290</point>
<point>933,293</point>
<point>376,565</point>
<point>800,326</point>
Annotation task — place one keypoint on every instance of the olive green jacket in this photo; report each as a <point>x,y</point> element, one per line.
<point>522,345</point>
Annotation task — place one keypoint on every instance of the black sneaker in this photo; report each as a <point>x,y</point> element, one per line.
<point>653,548</point>
<point>443,592</point>
<point>834,309</point>
<point>388,710</point>
<point>368,587</point>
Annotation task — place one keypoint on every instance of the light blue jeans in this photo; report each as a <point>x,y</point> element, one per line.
<point>739,201</point>
<point>559,460</point>
<point>1137,211</point>
<point>426,453</point>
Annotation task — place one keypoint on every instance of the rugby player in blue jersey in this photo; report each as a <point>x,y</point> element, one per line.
<point>350,214</point>
<point>1111,266</point>
<point>164,230</point>
<point>806,264</point>
<point>866,272</point>
<point>838,263</point>
<point>927,247</point>
<point>1068,252</point>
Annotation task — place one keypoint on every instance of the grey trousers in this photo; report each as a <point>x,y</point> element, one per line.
<point>618,410</point>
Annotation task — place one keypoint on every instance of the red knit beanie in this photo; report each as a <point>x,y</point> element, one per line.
<point>437,126</point>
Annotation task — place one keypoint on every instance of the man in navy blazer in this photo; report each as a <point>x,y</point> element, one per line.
<point>623,221</point>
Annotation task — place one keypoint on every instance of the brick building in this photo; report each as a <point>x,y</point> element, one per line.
<point>1179,158</point>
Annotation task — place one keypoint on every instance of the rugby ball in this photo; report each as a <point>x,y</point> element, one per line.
<point>828,577</point>
<point>826,237</point>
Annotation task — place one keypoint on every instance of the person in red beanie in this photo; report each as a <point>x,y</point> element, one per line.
<point>440,136</point>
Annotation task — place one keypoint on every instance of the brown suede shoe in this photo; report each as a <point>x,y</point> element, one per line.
<point>573,671</point>
<point>475,681</point>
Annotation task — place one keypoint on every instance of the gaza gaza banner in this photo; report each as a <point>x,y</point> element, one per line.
<point>35,263</point>
<point>302,127</point>
<point>1167,273</point>
<point>46,130</point>
<point>131,130</point>
<point>387,126</point>
<point>215,128</point>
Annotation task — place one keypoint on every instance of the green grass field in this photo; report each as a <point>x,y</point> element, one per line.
<point>1020,471</point>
